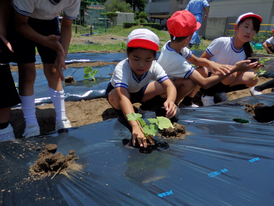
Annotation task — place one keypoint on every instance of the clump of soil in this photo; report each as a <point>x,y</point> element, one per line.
<point>178,132</point>
<point>49,163</point>
<point>70,80</point>
<point>261,112</point>
<point>251,108</point>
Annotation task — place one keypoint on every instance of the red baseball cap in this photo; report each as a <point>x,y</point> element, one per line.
<point>143,38</point>
<point>182,24</point>
<point>248,15</point>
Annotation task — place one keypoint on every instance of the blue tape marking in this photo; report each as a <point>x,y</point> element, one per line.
<point>165,194</point>
<point>215,173</point>
<point>254,159</point>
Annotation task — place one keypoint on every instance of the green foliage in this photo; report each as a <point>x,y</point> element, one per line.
<point>90,73</point>
<point>139,5</point>
<point>129,24</point>
<point>155,123</point>
<point>142,15</point>
<point>152,25</point>
<point>109,14</point>
<point>262,69</point>
<point>117,5</point>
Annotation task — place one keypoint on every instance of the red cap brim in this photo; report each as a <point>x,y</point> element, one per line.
<point>144,44</point>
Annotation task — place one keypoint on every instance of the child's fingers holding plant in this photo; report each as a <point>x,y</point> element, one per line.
<point>216,67</point>
<point>139,136</point>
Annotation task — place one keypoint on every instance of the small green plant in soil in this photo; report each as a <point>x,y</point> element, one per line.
<point>262,69</point>
<point>155,123</point>
<point>90,73</point>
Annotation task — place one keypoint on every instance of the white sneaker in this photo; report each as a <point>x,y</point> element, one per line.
<point>31,130</point>
<point>7,134</point>
<point>207,100</point>
<point>63,124</point>
<point>254,92</point>
<point>189,106</point>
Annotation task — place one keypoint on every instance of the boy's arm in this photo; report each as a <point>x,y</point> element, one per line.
<point>51,41</point>
<point>208,82</point>
<point>169,104</point>
<point>127,108</point>
<point>213,66</point>
<point>4,19</point>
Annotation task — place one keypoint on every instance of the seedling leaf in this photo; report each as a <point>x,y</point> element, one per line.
<point>133,116</point>
<point>164,123</point>
<point>150,129</point>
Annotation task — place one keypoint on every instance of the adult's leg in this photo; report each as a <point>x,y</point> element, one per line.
<point>195,38</point>
<point>266,85</point>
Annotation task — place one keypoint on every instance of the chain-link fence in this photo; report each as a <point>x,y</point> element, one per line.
<point>264,33</point>
<point>89,20</point>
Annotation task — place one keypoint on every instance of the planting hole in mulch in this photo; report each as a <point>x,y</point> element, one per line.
<point>49,163</point>
<point>261,112</point>
<point>178,132</point>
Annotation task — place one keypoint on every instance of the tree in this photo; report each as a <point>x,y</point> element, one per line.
<point>137,4</point>
<point>118,5</point>
<point>84,7</point>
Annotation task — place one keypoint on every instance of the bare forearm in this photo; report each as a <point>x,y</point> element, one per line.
<point>66,34</point>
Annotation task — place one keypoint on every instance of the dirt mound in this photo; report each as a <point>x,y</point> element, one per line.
<point>261,112</point>
<point>49,163</point>
<point>251,108</point>
<point>178,132</point>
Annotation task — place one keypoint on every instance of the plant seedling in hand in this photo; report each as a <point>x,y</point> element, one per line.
<point>155,123</point>
<point>261,70</point>
<point>90,73</point>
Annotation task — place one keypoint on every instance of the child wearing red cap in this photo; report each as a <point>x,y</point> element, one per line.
<point>131,80</point>
<point>229,50</point>
<point>181,25</point>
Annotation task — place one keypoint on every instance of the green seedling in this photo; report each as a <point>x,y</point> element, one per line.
<point>155,123</point>
<point>262,69</point>
<point>90,73</point>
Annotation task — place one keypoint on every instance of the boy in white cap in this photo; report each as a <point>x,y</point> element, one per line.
<point>182,25</point>
<point>131,80</point>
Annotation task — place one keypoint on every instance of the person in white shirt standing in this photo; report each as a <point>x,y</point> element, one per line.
<point>37,24</point>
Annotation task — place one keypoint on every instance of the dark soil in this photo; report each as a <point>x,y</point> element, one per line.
<point>178,132</point>
<point>49,163</point>
<point>261,112</point>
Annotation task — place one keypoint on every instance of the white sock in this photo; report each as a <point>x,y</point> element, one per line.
<point>28,107</point>
<point>58,100</point>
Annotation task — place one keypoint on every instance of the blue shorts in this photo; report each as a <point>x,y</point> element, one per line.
<point>25,48</point>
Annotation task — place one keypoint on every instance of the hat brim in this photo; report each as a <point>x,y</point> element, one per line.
<point>143,43</point>
<point>198,26</point>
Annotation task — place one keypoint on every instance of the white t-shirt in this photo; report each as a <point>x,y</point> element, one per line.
<point>175,64</point>
<point>123,76</point>
<point>222,51</point>
<point>47,9</point>
<point>270,40</point>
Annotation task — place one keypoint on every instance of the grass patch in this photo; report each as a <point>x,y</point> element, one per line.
<point>76,48</point>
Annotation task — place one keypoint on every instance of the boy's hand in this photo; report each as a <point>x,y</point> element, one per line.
<point>170,108</point>
<point>138,135</point>
<point>52,41</point>
<point>59,64</point>
<point>6,42</point>
<point>219,68</point>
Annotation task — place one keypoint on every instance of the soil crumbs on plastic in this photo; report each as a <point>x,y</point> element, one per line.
<point>178,132</point>
<point>251,108</point>
<point>49,163</point>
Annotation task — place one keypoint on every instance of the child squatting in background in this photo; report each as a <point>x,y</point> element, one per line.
<point>181,26</point>
<point>229,50</point>
<point>37,25</point>
<point>8,93</point>
<point>269,47</point>
<point>131,80</point>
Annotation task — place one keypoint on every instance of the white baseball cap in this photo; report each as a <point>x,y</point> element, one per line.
<point>143,38</point>
<point>248,15</point>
